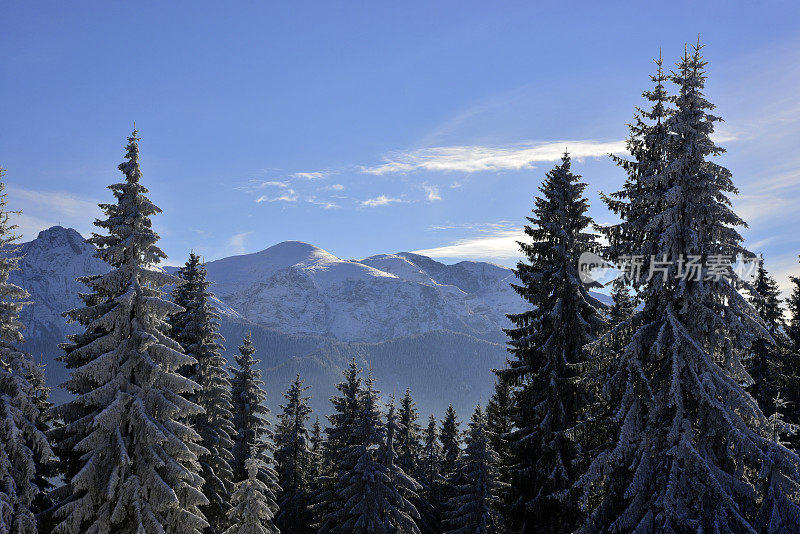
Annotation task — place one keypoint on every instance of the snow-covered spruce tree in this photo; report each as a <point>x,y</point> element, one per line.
<point>252,437</point>
<point>402,512</point>
<point>793,303</point>
<point>131,464</point>
<point>450,438</point>
<point>638,198</point>
<point>197,330</point>
<point>474,504</point>
<point>778,512</point>
<point>431,479</point>
<point>294,461</point>
<point>47,468</point>
<point>765,366</point>
<point>370,492</point>
<point>347,411</point>
<point>24,448</point>
<point>253,503</point>
<point>547,345</point>
<point>317,447</point>
<point>622,303</point>
<point>690,449</point>
<point>499,425</point>
<point>407,439</point>
<point>409,451</point>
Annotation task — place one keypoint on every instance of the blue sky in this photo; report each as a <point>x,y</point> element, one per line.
<point>376,127</point>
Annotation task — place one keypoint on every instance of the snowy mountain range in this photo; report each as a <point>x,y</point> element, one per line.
<point>298,288</point>
<point>414,321</point>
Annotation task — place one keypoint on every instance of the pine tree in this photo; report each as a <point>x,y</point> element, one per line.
<point>197,330</point>
<point>252,437</point>
<point>253,503</point>
<point>402,513</point>
<point>47,469</point>
<point>793,303</point>
<point>24,448</point>
<point>431,479</point>
<point>370,489</point>
<point>294,459</point>
<point>638,198</point>
<point>547,346</point>
<point>765,362</point>
<point>450,438</point>
<point>691,450</point>
<point>500,425</point>
<point>622,303</point>
<point>474,505</point>
<point>347,412</point>
<point>317,447</point>
<point>778,512</point>
<point>408,430</point>
<point>131,464</point>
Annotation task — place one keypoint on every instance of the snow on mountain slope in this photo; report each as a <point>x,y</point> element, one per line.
<point>301,289</point>
<point>48,269</point>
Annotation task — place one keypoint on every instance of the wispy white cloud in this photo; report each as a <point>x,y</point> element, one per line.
<point>235,243</point>
<point>43,209</point>
<point>470,159</point>
<point>431,192</point>
<point>290,195</point>
<point>381,200</point>
<point>334,187</point>
<point>318,175</point>
<point>478,227</point>
<point>499,245</point>
<point>54,201</point>
<point>327,204</point>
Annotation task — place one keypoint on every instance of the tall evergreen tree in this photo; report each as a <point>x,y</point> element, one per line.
<point>547,346</point>
<point>408,431</point>
<point>690,450</point>
<point>402,513</point>
<point>793,303</point>
<point>371,488</point>
<point>499,426</point>
<point>431,479</point>
<point>131,464</point>
<point>24,448</point>
<point>317,447</point>
<point>765,361</point>
<point>347,412</point>
<point>622,303</point>
<point>295,461</point>
<point>252,437</point>
<point>450,438</point>
<point>197,330</point>
<point>638,198</point>
<point>474,504</point>
<point>253,503</point>
<point>47,467</point>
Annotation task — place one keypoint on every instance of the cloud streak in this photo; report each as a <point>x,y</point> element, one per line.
<point>499,245</point>
<point>381,200</point>
<point>290,195</point>
<point>431,192</point>
<point>236,243</point>
<point>471,159</point>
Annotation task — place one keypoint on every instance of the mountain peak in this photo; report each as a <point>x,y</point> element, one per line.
<point>59,232</point>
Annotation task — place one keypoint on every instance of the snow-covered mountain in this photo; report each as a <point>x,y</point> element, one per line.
<point>300,289</point>
<point>48,270</point>
<point>412,320</point>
